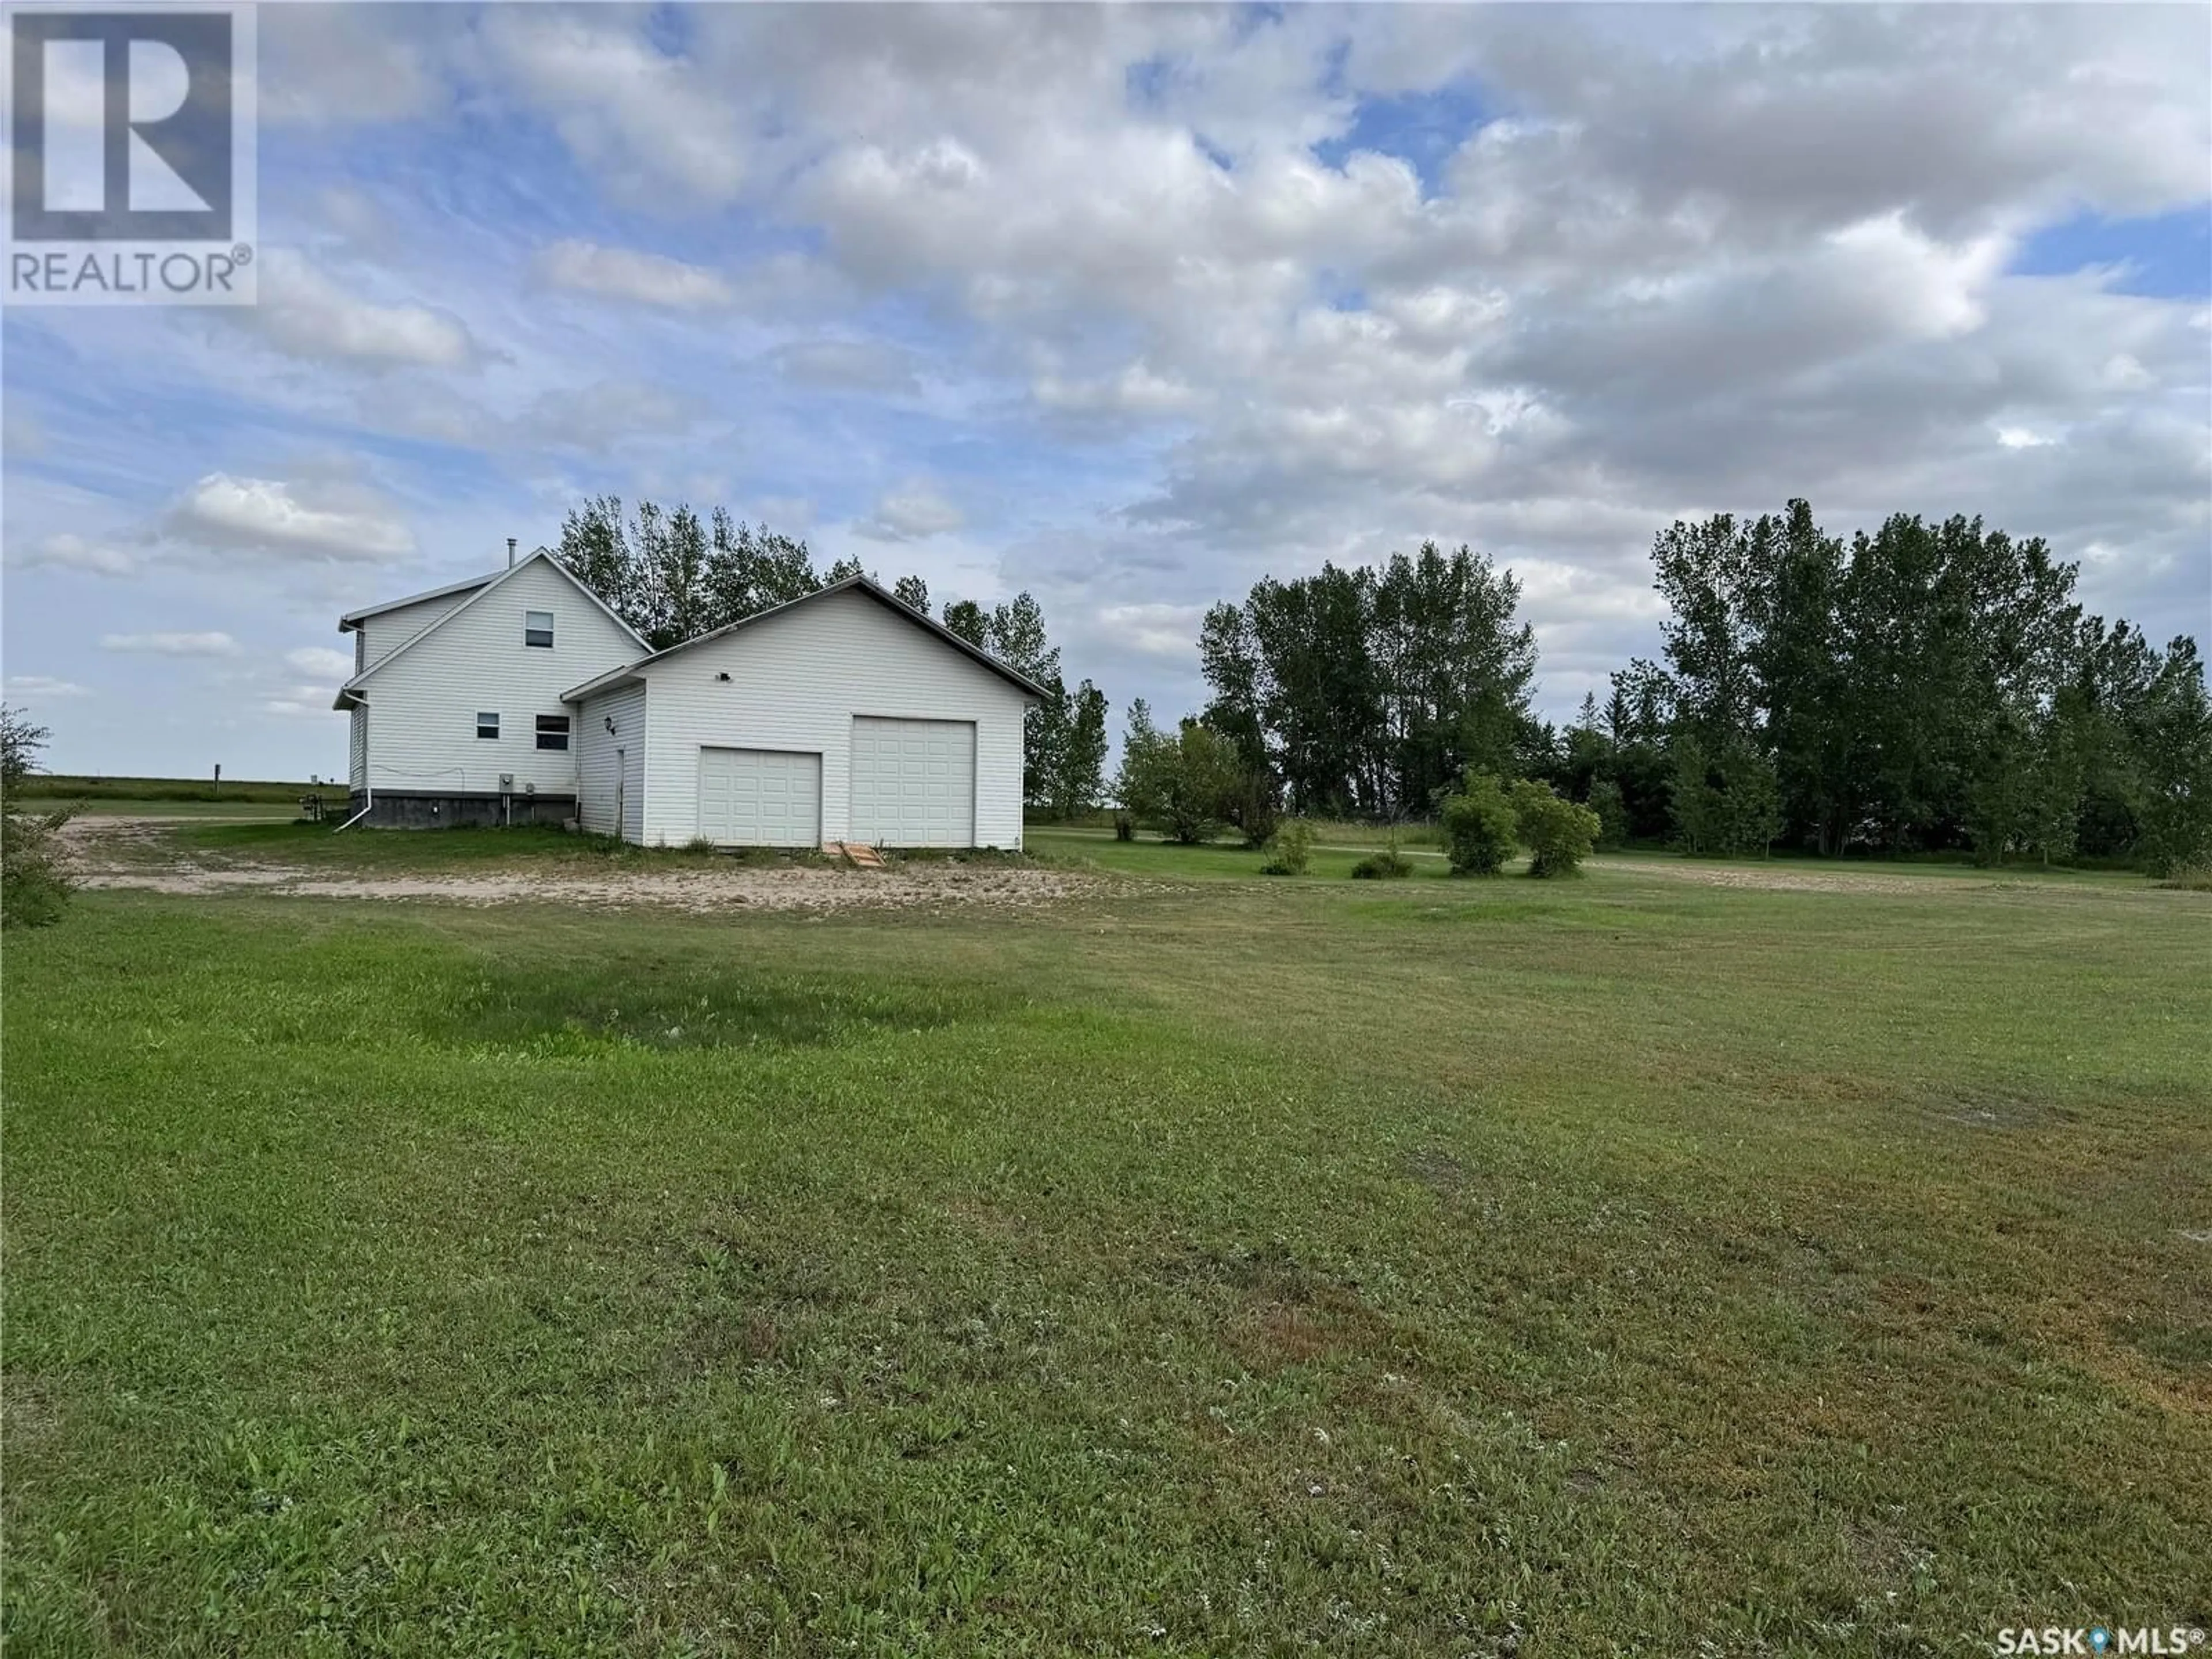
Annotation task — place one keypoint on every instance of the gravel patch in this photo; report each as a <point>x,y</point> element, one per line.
<point>136,853</point>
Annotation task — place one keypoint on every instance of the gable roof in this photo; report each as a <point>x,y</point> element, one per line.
<point>353,619</point>
<point>490,586</point>
<point>860,584</point>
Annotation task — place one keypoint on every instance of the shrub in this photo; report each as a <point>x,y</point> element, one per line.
<point>1184,784</point>
<point>35,883</point>
<point>1479,826</point>
<point>1288,848</point>
<point>1558,833</point>
<point>1125,827</point>
<point>1384,863</point>
<point>1259,807</point>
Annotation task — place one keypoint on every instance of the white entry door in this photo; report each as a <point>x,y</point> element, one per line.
<point>913,782</point>
<point>760,798</point>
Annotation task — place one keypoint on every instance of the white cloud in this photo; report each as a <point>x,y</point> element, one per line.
<point>1160,630</point>
<point>300,701</point>
<point>70,551</point>
<point>644,116</point>
<point>223,512</point>
<point>214,644</point>
<point>1137,391</point>
<point>607,415</point>
<point>304,313</point>
<point>625,274</point>
<point>39,688</point>
<point>2020,437</point>
<point>914,512</point>
<point>847,365</point>
<point>324,661</point>
<point>323,66</point>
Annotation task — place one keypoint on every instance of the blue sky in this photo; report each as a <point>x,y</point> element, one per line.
<point>1124,307</point>
<point>2164,256</point>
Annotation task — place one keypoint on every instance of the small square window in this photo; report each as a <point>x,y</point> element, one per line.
<point>552,730</point>
<point>487,725</point>
<point>537,628</point>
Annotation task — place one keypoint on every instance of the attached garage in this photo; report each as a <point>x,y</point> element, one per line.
<point>913,782</point>
<point>760,798</point>
<point>844,716</point>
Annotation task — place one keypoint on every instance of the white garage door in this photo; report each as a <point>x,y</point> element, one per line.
<point>913,782</point>
<point>760,798</point>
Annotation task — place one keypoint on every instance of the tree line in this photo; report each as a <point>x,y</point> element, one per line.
<point>672,576</point>
<point>1924,687</point>
<point>1362,692</point>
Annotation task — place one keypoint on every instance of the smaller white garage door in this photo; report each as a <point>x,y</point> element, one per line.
<point>760,798</point>
<point>913,782</point>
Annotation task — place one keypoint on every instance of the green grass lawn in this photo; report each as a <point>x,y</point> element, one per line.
<point>1548,1269</point>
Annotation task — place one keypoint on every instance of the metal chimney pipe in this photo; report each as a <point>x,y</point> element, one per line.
<point>510,552</point>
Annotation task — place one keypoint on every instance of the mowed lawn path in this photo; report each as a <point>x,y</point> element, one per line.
<point>1627,1265</point>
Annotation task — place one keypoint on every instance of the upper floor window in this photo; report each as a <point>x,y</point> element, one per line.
<point>487,725</point>
<point>552,730</point>
<point>537,628</point>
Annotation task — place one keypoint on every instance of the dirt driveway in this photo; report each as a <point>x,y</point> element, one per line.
<point>122,851</point>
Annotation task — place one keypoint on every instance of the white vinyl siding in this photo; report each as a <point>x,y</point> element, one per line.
<point>914,783</point>
<point>379,636</point>
<point>612,764</point>
<point>797,682</point>
<point>760,798</point>
<point>357,748</point>
<point>423,705</point>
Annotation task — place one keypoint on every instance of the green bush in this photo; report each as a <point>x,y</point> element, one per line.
<point>34,884</point>
<point>1384,863</point>
<point>1184,784</point>
<point>1288,848</point>
<point>1479,826</point>
<point>1558,833</point>
<point>1259,807</point>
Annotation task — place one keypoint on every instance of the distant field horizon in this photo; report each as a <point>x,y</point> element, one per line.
<point>96,786</point>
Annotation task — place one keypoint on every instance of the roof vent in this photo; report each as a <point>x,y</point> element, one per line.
<point>510,552</point>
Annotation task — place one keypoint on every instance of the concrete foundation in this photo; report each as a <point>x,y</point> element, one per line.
<point>400,810</point>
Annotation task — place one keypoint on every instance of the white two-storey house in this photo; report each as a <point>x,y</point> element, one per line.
<point>842,716</point>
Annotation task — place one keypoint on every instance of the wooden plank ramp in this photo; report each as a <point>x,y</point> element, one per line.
<point>859,854</point>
